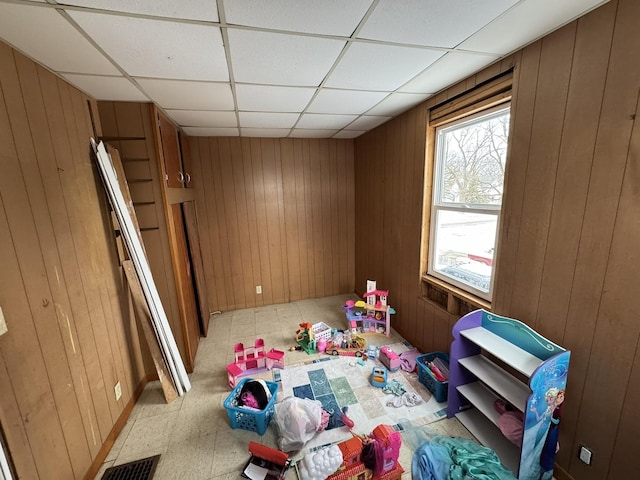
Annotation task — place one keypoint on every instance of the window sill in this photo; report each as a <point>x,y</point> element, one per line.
<point>450,298</point>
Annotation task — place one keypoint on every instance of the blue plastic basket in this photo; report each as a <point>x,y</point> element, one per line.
<point>247,418</point>
<point>439,389</point>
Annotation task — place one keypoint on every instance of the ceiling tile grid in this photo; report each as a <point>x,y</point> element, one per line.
<point>278,68</point>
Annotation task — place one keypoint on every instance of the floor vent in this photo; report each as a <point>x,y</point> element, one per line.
<point>138,470</point>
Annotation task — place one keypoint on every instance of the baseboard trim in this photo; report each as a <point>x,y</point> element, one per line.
<point>560,473</point>
<point>115,431</point>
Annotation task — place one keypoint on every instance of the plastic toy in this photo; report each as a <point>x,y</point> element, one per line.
<point>372,316</point>
<point>372,352</point>
<point>372,456</point>
<point>250,360</point>
<point>389,358</point>
<point>346,344</point>
<point>345,418</point>
<point>379,377</point>
<point>308,336</point>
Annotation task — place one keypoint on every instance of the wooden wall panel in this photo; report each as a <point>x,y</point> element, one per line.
<point>589,73</point>
<point>70,336</point>
<point>545,135</point>
<point>279,214</point>
<point>567,261</point>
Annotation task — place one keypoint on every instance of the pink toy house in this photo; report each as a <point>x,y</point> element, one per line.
<point>249,360</point>
<point>374,316</point>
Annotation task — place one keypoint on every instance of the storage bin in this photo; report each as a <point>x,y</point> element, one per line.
<point>248,418</point>
<point>426,377</point>
<point>321,331</point>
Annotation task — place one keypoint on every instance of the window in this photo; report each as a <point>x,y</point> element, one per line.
<point>468,178</point>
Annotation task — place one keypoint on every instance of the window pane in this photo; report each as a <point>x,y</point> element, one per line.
<point>464,246</point>
<point>473,156</point>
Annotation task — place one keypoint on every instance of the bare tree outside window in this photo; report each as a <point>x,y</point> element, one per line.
<point>468,184</point>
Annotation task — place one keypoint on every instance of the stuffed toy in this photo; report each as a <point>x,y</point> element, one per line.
<point>254,394</point>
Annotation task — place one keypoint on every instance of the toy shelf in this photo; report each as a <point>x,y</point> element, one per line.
<point>486,349</point>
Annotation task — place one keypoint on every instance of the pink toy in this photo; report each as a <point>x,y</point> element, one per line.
<point>371,315</point>
<point>345,419</point>
<point>389,358</point>
<point>249,400</point>
<point>250,360</point>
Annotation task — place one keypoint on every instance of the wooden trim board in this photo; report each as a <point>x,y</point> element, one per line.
<point>134,245</point>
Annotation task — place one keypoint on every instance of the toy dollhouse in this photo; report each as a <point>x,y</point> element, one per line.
<point>250,360</point>
<point>373,315</point>
<point>387,451</point>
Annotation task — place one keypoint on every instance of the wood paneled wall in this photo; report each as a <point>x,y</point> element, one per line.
<point>568,260</point>
<point>278,213</point>
<point>71,334</point>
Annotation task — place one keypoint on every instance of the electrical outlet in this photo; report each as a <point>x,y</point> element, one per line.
<point>585,455</point>
<point>118,391</point>
<point>259,289</point>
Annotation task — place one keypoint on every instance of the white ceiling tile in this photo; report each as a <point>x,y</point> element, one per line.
<point>525,23</point>
<point>325,122</point>
<point>188,95</point>
<point>267,120</point>
<point>446,71</point>
<point>329,17</point>
<point>158,48</point>
<point>370,66</point>
<point>191,118</point>
<point>265,132</point>
<point>211,132</point>
<point>431,22</point>
<point>264,98</point>
<point>344,101</point>
<point>396,103</point>
<point>349,133</point>
<point>107,88</point>
<point>43,34</point>
<point>311,133</point>
<point>278,59</point>
<point>367,122</point>
<point>188,9</point>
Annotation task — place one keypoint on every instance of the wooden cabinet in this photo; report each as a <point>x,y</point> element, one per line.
<point>171,161</point>
<point>495,358</point>
<point>176,168</point>
<point>186,160</point>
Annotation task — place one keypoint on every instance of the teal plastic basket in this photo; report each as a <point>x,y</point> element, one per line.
<point>248,418</point>
<point>439,389</point>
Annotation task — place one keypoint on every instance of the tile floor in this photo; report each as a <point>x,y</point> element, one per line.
<point>193,434</point>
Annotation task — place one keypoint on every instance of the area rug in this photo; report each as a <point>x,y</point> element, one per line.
<point>343,381</point>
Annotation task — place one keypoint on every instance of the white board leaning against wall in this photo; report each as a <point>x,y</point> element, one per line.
<point>134,246</point>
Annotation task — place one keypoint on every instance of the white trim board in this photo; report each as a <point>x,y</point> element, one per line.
<point>160,322</point>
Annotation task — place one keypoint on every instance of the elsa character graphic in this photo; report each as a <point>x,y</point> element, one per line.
<point>551,442</point>
<point>535,436</point>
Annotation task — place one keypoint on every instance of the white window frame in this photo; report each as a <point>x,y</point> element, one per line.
<point>437,205</point>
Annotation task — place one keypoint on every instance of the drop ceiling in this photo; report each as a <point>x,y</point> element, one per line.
<point>276,68</point>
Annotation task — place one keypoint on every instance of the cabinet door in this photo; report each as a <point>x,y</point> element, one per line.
<point>174,176</point>
<point>186,159</point>
<point>184,284</point>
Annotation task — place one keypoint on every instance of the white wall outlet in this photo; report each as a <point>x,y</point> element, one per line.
<point>3,323</point>
<point>585,455</point>
<point>259,289</point>
<point>118,391</point>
